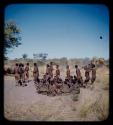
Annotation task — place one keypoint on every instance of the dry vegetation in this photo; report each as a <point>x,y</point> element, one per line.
<point>23,103</point>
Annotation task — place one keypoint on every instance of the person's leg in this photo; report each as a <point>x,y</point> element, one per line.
<point>92,83</point>
<point>81,82</point>
<point>86,81</point>
<point>54,90</point>
<point>23,79</point>
<point>69,85</point>
<point>28,76</point>
<point>25,76</point>
<point>35,78</point>
<point>16,79</point>
<point>49,89</point>
<point>60,88</point>
<point>20,79</point>
<point>93,80</point>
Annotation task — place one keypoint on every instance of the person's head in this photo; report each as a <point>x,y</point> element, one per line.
<point>74,76</point>
<point>89,65</point>
<point>47,65</point>
<point>93,66</point>
<point>76,66</point>
<point>27,64</point>
<point>16,64</point>
<point>67,66</point>
<point>44,76</point>
<point>71,77</point>
<point>20,64</point>
<point>35,64</point>
<point>51,63</point>
<point>57,66</point>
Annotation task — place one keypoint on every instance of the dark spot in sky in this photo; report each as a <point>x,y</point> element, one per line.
<point>100,37</point>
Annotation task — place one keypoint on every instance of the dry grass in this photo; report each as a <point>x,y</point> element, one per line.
<point>75,97</point>
<point>89,105</point>
<point>94,103</point>
<point>98,108</point>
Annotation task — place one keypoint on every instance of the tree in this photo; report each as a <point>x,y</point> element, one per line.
<point>35,56</point>
<point>40,56</point>
<point>24,56</point>
<point>44,56</point>
<point>11,36</point>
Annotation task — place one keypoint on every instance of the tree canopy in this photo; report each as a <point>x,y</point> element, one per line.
<point>24,56</point>
<point>40,56</point>
<point>11,36</point>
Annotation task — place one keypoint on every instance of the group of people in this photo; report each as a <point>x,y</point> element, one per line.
<point>54,82</point>
<point>21,74</point>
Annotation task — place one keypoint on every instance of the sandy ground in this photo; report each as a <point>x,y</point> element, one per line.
<point>24,104</point>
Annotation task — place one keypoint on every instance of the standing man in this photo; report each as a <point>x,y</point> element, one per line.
<point>69,78</point>
<point>87,75</point>
<point>48,72</point>
<point>67,72</point>
<point>51,69</point>
<point>47,69</point>
<point>21,74</point>
<point>79,77</point>
<point>36,73</point>
<point>93,78</point>
<point>57,71</point>
<point>58,81</point>
<point>27,72</point>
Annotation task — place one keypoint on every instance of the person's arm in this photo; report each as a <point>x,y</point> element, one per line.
<point>38,71</point>
<point>59,72</point>
<point>34,70</point>
<point>14,71</point>
<point>25,68</point>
